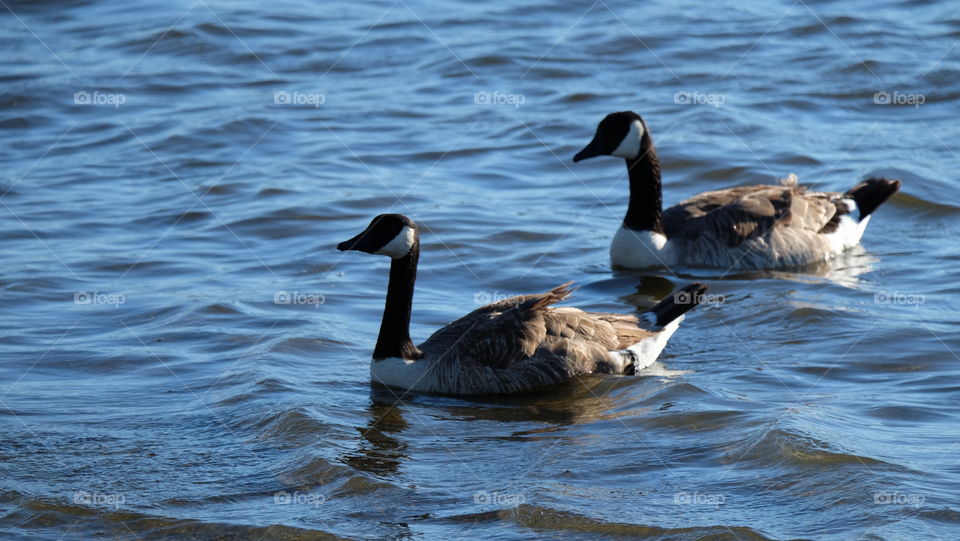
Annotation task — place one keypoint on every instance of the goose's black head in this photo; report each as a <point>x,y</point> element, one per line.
<point>392,235</point>
<point>618,134</point>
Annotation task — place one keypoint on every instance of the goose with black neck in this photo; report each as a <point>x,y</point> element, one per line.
<point>746,227</point>
<point>518,344</point>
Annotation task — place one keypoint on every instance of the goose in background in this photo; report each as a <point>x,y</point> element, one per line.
<point>514,345</point>
<point>747,227</point>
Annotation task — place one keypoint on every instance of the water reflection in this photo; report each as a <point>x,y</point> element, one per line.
<point>845,270</point>
<point>380,452</point>
<point>581,401</point>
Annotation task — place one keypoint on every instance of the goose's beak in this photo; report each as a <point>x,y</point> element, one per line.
<point>360,242</point>
<point>592,149</point>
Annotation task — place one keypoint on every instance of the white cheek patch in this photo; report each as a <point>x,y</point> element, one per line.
<point>630,146</point>
<point>400,245</point>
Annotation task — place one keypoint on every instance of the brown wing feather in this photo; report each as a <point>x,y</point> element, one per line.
<point>737,214</point>
<point>629,329</point>
<point>498,334</point>
<point>532,342</point>
<point>579,342</point>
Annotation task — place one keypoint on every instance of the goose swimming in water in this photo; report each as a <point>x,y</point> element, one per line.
<point>747,227</point>
<point>510,346</point>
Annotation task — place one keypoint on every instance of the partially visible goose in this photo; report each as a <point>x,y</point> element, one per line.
<point>748,227</point>
<point>510,346</point>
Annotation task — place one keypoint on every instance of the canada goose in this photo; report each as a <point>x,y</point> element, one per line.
<point>513,345</point>
<point>748,227</point>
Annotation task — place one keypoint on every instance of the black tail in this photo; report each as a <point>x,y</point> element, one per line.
<point>871,193</point>
<point>679,303</point>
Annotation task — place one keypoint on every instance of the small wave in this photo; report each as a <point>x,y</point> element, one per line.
<point>185,218</point>
<point>48,517</point>
<point>579,97</point>
<point>538,518</point>
<point>780,447</point>
<point>293,424</point>
<point>266,193</point>
<point>141,266</point>
<point>908,413</point>
<point>698,421</point>
<point>545,72</point>
<point>484,61</point>
<point>944,514</point>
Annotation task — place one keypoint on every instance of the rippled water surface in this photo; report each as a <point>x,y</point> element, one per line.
<point>169,171</point>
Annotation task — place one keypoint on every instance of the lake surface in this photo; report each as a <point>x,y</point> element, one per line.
<point>186,355</point>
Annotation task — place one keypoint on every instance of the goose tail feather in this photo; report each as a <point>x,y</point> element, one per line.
<point>678,303</point>
<point>553,296</point>
<point>872,193</point>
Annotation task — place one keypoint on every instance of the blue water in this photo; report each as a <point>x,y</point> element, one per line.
<point>170,169</point>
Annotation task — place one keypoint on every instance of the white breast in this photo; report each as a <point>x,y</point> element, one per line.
<point>640,249</point>
<point>402,374</point>
<point>648,351</point>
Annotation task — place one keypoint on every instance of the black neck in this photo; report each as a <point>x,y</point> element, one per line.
<point>645,211</point>
<point>394,339</point>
